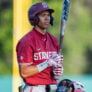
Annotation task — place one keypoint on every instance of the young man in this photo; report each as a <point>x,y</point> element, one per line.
<point>37,52</point>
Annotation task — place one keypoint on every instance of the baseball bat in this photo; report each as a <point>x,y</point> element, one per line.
<point>64,18</point>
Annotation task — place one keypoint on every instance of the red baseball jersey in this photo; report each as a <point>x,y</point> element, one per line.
<point>34,48</point>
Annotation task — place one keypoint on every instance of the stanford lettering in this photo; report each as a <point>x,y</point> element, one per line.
<point>43,55</point>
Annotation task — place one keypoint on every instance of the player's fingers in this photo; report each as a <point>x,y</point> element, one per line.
<point>54,56</point>
<point>58,58</point>
<point>58,72</point>
<point>58,69</point>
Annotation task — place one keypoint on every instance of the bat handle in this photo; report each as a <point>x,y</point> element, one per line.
<point>60,52</point>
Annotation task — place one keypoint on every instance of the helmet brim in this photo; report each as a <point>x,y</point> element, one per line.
<point>41,10</point>
<point>51,10</point>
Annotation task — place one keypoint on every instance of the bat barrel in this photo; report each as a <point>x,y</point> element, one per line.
<point>64,18</point>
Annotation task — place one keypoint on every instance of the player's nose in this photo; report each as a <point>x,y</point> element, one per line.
<point>47,18</point>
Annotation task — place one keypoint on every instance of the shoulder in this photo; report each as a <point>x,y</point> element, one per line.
<point>25,40</point>
<point>28,37</point>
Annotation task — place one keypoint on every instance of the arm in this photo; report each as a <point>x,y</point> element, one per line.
<point>27,70</point>
<point>25,60</point>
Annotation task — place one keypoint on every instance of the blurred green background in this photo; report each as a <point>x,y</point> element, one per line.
<point>77,45</point>
<point>6,37</point>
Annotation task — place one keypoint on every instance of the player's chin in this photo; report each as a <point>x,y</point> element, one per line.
<point>46,26</point>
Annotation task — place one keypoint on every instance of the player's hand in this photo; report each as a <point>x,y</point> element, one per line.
<point>58,72</point>
<point>55,60</point>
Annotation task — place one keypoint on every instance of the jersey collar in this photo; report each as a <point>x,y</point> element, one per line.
<point>42,36</point>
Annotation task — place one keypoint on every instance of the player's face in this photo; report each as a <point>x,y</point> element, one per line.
<point>44,19</point>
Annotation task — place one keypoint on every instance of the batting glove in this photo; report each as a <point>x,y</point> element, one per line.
<point>58,72</point>
<point>55,60</point>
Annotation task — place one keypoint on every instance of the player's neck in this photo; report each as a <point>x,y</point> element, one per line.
<point>41,30</point>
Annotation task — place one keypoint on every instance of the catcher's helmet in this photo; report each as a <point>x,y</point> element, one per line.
<point>37,8</point>
<point>66,84</point>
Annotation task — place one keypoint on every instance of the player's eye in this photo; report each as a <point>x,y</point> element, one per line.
<point>43,15</point>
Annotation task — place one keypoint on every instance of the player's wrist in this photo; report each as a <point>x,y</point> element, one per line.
<point>42,66</point>
<point>57,77</point>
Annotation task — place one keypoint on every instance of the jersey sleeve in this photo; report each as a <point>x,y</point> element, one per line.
<point>24,53</point>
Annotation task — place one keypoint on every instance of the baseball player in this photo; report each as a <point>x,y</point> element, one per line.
<point>67,85</point>
<point>37,52</point>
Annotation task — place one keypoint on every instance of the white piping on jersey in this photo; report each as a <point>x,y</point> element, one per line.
<point>25,63</point>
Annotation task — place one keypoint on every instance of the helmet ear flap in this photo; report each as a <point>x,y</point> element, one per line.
<point>51,20</point>
<point>34,20</point>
